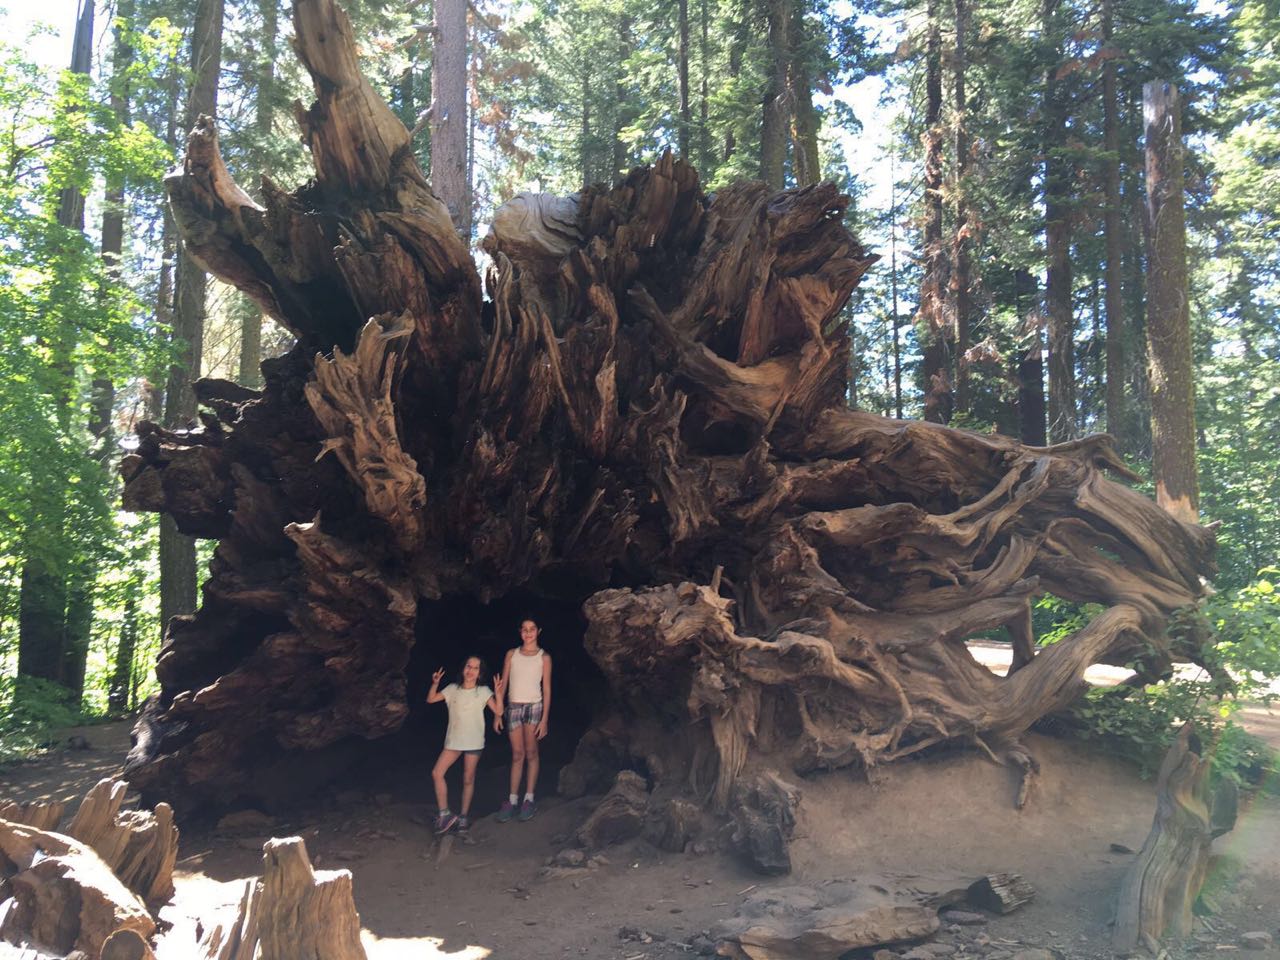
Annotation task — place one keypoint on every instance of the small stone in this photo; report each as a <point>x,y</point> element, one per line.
<point>1257,940</point>
<point>938,949</point>
<point>884,955</point>
<point>1120,848</point>
<point>964,918</point>
<point>569,858</point>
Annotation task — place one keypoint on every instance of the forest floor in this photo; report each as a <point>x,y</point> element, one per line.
<point>950,815</point>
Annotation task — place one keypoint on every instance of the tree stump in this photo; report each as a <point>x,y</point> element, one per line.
<point>139,846</point>
<point>1161,885</point>
<point>644,409</point>
<point>292,913</point>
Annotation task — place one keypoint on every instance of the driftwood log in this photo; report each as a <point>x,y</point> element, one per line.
<point>291,913</point>
<point>1162,884</point>
<point>644,417</point>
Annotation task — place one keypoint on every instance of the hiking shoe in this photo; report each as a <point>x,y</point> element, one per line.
<point>445,822</point>
<point>464,824</point>
<point>527,810</point>
<point>506,811</point>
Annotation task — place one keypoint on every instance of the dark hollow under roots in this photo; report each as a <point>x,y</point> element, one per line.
<point>641,419</point>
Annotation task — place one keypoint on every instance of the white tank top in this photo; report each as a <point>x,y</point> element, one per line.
<point>525,683</point>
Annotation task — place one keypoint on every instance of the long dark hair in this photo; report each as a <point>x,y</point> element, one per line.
<point>484,669</point>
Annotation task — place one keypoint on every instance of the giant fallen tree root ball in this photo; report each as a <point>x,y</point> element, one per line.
<point>642,415</point>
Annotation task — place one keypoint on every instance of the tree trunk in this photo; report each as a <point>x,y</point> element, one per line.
<point>122,671</point>
<point>449,106</point>
<point>250,373</point>
<point>644,425</point>
<point>806,158</point>
<point>961,282</point>
<point>1173,414</point>
<point>584,131</point>
<point>932,314</point>
<point>1113,239</point>
<point>773,130</point>
<point>42,607</point>
<point>1030,372</point>
<point>1059,314</point>
<point>682,77</point>
<point>623,115</point>
<point>704,99</point>
<point>178,552</point>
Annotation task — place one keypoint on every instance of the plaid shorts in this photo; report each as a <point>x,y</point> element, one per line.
<point>523,714</point>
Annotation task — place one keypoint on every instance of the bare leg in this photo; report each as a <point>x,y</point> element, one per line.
<point>530,732</point>
<point>447,758</point>
<point>517,755</point>
<point>469,763</point>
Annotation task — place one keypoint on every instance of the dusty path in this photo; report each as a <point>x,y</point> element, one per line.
<point>948,815</point>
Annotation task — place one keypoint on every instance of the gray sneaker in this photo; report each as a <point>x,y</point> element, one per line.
<point>506,811</point>
<point>527,810</point>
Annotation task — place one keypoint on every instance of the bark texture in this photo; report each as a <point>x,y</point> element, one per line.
<point>1173,411</point>
<point>647,411</point>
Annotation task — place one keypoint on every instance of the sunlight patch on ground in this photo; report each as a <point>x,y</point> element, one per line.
<point>419,948</point>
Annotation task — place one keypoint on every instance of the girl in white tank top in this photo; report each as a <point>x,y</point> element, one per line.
<point>527,716</point>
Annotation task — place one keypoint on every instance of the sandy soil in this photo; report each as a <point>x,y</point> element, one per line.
<point>945,816</point>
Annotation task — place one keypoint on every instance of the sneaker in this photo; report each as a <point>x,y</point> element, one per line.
<point>445,822</point>
<point>464,824</point>
<point>506,811</point>
<point>527,810</point>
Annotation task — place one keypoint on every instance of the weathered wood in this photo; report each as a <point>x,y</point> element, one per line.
<point>126,945</point>
<point>1164,880</point>
<point>619,816</point>
<point>41,814</point>
<point>823,922</point>
<point>292,913</point>
<point>138,846</point>
<point>653,392</point>
<point>64,897</point>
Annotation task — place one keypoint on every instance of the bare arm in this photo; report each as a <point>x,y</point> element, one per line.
<point>499,691</point>
<point>434,695</point>
<point>545,723</point>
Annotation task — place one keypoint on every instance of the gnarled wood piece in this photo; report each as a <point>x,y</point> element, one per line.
<point>1164,880</point>
<point>64,896</point>
<point>41,814</point>
<point>653,396</point>
<point>292,913</point>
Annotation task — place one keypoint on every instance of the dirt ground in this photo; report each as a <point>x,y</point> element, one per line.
<point>946,816</point>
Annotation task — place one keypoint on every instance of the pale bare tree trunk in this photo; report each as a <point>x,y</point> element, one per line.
<point>704,131</point>
<point>449,107</point>
<point>1173,414</point>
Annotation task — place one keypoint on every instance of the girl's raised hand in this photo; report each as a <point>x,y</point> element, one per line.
<point>437,677</point>
<point>499,683</point>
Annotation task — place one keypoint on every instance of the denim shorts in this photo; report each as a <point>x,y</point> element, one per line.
<point>523,714</point>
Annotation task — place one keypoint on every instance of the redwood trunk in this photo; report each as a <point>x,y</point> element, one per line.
<point>1173,414</point>
<point>1059,314</point>
<point>449,106</point>
<point>933,326</point>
